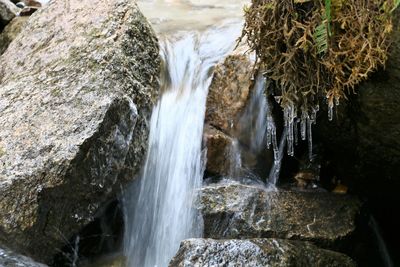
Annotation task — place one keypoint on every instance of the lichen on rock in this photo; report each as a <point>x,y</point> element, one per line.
<point>241,211</point>
<point>256,252</point>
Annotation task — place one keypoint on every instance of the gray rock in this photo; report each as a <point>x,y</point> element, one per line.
<point>241,211</point>
<point>76,88</point>
<point>229,91</point>
<point>256,253</point>
<point>7,12</point>
<point>11,31</point>
<point>11,259</point>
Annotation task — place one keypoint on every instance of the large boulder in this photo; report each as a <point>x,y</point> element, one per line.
<point>255,253</point>
<point>11,31</point>
<point>7,12</point>
<point>233,210</point>
<point>76,87</point>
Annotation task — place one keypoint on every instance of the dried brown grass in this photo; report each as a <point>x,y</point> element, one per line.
<point>282,33</point>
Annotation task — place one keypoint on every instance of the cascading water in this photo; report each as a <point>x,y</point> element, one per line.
<point>159,213</point>
<point>257,123</point>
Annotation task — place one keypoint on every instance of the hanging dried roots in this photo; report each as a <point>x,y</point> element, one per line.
<point>315,48</point>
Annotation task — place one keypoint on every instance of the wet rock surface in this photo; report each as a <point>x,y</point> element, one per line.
<point>241,211</point>
<point>218,149</point>
<point>11,259</point>
<point>229,91</point>
<point>255,252</point>
<point>76,89</point>
<point>227,100</point>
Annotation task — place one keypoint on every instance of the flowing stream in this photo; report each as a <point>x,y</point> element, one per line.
<point>159,214</point>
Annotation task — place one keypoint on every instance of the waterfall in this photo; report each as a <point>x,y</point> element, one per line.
<point>257,123</point>
<point>383,250</point>
<point>159,209</point>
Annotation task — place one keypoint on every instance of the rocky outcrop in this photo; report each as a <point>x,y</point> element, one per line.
<point>11,259</point>
<point>229,91</point>
<point>7,12</point>
<point>219,146</point>
<point>76,88</point>
<point>241,211</point>
<point>255,253</point>
<point>11,31</point>
<point>227,99</point>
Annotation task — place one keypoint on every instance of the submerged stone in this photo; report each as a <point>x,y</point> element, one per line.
<point>256,253</point>
<point>76,89</point>
<point>241,211</point>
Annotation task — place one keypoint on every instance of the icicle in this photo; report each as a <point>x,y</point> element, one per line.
<point>290,115</point>
<point>309,133</point>
<point>330,112</point>
<point>275,144</point>
<point>296,131</point>
<point>312,120</point>
<point>337,100</point>
<point>276,168</point>
<point>303,125</point>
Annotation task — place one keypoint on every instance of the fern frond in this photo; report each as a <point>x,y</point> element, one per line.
<point>321,38</point>
<point>323,31</point>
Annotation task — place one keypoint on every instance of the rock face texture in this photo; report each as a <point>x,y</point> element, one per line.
<point>7,12</point>
<point>11,31</point>
<point>256,253</point>
<point>76,87</point>
<point>228,97</point>
<point>219,146</point>
<point>241,211</point>
<point>229,91</point>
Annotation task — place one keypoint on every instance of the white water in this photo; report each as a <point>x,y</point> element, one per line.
<point>160,216</point>
<point>258,124</point>
<point>257,119</point>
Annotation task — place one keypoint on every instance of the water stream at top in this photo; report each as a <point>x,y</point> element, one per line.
<point>159,212</point>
